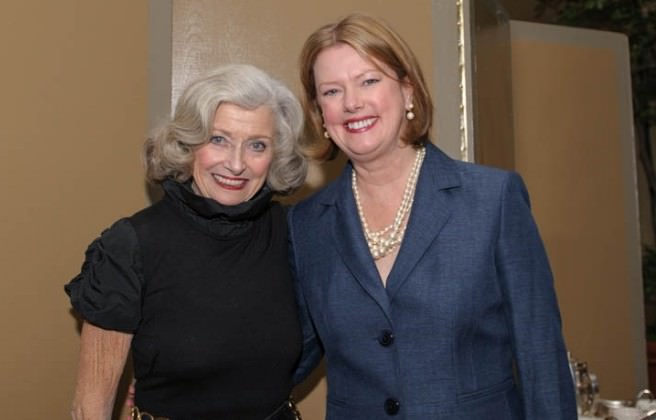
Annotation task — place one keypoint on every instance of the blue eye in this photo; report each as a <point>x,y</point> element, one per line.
<point>258,146</point>
<point>217,139</point>
<point>371,81</point>
<point>330,92</point>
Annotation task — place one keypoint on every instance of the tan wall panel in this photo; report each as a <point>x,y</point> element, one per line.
<point>270,35</point>
<point>492,90</point>
<point>573,146</point>
<point>73,117</point>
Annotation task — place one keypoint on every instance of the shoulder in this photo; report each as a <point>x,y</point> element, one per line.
<point>277,208</point>
<point>154,223</point>
<point>474,173</point>
<point>120,236</point>
<point>492,187</point>
<point>481,176</point>
<point>324,198</point>
<point>119,242</point>
<point>278,213</point>
<point>448,173</point>
<point>149,213</point>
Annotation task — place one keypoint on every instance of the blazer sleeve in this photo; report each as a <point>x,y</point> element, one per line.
<point>526,281</point>
<point>312,351</point>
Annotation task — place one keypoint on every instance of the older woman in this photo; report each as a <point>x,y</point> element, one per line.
<point>198,285</point>
<point>423,279</point>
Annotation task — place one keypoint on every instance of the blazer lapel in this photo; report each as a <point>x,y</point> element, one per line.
<point>431,210</point>
<point>350,242</point>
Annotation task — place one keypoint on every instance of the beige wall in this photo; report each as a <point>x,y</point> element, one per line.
<point>574,147</point>
<point>72,120</point>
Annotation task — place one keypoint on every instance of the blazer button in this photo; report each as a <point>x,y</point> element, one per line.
<point>392,406</point>
<point>386,338</point>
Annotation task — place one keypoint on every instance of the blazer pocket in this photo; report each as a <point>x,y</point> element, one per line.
<point>493,391</point>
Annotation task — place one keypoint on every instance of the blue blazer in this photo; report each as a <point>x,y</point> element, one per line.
<point>468,326</point>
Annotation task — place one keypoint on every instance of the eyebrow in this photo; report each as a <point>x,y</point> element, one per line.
<point>357,76</point>
<point>216,130</point>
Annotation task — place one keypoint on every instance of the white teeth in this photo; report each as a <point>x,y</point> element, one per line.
<point>231,182</point>
<point>357,125</point>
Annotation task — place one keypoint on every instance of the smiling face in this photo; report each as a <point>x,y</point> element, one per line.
<point>233,166</point>
<point>363,107</point>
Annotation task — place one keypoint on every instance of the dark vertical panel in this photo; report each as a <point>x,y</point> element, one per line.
<point>492,88</point>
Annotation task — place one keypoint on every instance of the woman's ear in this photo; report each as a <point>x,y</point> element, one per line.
<point>408,90</point>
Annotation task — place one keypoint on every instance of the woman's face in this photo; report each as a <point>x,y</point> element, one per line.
<point>233,165</point>
<point>363,107</point>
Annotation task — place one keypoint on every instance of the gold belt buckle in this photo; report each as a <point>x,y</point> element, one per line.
<point>136,414</point>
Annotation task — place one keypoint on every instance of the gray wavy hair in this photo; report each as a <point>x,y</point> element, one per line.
<point>169,153</point>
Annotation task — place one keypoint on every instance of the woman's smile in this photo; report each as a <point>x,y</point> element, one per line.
<point>359,125</point>
<point>230,183</point>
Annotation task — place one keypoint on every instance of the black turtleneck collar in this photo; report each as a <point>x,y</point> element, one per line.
<point>213,215</point>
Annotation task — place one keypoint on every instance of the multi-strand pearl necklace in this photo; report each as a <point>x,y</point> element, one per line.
<point>384,241</point>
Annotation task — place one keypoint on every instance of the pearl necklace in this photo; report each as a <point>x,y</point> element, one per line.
<point>384,241</point>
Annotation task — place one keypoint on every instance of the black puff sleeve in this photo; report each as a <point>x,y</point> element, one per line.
<point>107,292</point>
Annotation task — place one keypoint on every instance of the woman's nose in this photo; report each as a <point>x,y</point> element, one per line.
<point>235,162</point>
<point>352,101</point>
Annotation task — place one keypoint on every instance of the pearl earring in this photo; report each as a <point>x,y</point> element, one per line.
<point>409,115</point>
<point>325,134</point>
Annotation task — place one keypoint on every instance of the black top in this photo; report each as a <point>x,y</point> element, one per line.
<point>207,293</point>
